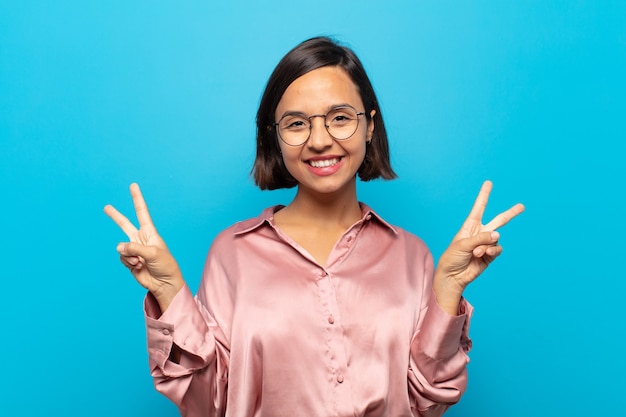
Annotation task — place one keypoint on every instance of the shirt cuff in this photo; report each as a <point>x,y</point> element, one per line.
<point>441,334</point>
<point>181,324</point>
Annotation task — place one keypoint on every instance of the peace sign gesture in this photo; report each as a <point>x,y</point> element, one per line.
<point>146,255</point>
<point>473,248</point>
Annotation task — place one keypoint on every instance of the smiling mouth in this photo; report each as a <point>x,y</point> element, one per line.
<point>324,163</point>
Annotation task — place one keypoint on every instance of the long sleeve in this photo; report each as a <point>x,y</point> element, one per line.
<point>438,375</point>
<point>201,372</point>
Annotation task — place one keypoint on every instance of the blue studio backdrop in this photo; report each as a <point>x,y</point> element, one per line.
<point>97,94</point>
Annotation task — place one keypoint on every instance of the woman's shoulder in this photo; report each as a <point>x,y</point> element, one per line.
<point>402,234</point>
<point>247,226</point>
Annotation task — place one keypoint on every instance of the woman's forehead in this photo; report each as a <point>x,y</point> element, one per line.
<point>320,90</point>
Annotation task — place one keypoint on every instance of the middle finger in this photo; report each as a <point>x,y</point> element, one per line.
<point>121,220</point>
<point>504,217</point>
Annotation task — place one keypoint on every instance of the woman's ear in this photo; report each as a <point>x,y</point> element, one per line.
<point>370,126</point>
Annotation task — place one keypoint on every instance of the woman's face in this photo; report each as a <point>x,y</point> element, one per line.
<point>323,164</point>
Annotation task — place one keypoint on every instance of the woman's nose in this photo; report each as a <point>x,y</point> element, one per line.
<point>319,137</point>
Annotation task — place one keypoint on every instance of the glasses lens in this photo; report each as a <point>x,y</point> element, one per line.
<point>294,129</point>
<point>342,122</point>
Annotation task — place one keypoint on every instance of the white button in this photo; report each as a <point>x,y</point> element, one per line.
<point>340,378</point>
<point>166,332</point>
<point>331,319</point>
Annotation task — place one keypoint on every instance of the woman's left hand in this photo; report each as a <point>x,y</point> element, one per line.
<point>473,248</point>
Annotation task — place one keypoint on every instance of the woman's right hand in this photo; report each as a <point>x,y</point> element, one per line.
<point>146,255</point>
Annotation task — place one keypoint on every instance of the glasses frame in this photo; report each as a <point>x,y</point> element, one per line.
<point>276,125</point>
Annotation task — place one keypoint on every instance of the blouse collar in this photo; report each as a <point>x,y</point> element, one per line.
<point>267,217</point>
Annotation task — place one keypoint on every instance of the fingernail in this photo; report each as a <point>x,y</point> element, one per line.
<point>495,235</point>
<point>120,248</point>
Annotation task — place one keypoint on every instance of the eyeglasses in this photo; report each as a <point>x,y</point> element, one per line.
<point>341,122</point>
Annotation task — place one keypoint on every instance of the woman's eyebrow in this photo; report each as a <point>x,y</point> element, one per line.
<point>292,113</point>
<point>328,109</point>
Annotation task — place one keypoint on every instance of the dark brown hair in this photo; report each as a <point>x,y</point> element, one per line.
<point>269,170</point>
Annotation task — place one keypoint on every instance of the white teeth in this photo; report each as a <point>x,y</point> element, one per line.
<point>325,163</point>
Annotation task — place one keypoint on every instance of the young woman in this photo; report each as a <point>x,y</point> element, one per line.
<point>321,307</point>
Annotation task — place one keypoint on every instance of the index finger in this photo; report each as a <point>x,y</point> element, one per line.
<point>478,209</point>
<point>141,209</point>
<point>504,217</point>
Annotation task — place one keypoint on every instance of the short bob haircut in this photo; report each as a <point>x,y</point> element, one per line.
<point>269,169</point>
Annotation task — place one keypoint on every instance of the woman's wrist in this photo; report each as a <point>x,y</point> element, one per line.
<point>166,293</point>
<point>448,294</point>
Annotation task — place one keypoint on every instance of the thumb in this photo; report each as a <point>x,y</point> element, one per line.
<point>149,253</point>
<point>480,239</point>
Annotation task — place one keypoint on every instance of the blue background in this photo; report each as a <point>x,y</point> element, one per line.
<point>95,95</point>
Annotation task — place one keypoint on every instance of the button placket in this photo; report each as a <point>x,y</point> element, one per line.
<point>335,331</point>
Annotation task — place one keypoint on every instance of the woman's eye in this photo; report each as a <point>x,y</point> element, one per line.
<point>296,124</point>
<point>340,118</point>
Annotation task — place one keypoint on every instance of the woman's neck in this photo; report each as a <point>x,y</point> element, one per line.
<point>334,209</point>
<point>317,221</point>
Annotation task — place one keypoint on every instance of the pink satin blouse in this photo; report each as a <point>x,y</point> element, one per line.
<point>272,333</point>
